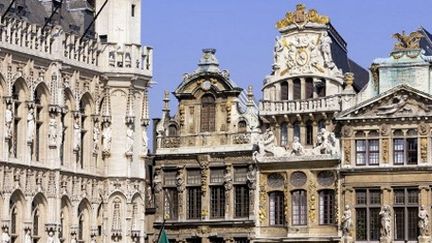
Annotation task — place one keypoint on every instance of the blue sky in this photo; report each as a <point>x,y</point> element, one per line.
<point>243,33</point>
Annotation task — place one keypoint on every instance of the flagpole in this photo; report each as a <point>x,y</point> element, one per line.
<point>160,231</point>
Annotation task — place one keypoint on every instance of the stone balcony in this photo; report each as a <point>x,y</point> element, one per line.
<point>322,104</point>
<point>205,142</point>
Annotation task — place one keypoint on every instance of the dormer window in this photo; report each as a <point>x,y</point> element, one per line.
<point>208,113</point>
<point>172,130</point>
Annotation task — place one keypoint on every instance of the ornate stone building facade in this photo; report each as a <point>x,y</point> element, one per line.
<point>205,175</point>
<point>75,112</point>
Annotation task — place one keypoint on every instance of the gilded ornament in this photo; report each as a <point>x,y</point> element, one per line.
<point>385,148</point>
<point>407,42</point>
<point>347,151</point>
<point>423,149</point>
<point>300,17</point>
<point>312,200</point>
<point>263,199</point>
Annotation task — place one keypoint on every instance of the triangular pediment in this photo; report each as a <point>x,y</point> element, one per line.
<point>400,102</point>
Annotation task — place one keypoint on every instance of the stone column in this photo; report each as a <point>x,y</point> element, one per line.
<point>228,184</point>
<point>303,88</point>
<point>302,132</point>
<point>290,89</point>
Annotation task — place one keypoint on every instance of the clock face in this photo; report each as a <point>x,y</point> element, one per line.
<point>302,57</point>
<point>206,85</point>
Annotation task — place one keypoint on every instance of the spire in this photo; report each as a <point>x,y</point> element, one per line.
<point>208,61</point>
<point>250,97</point>
<point>166,101</point>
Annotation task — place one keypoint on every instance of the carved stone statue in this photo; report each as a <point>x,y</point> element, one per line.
<point>180,180</point>
<point>327,143</point>
<point>106,137</point>
<point>30,125</point>
<point>27,237</point>
<point>228,179</point>
<point>9,116</point>
<point>267,145</point>
<point>96,134</point>
<point>251,176</point>
<point>346,221</point>
<point>385,215</point>
<point>73,240</point>
<point>157,181</point>
<point>297,148</point>
<point>326,50</point>
<point>144,141</point>
<point>129,138</point>
<point>5,238</point>
<point>423,223</point>
<point>50,238</point>
<point>77,134</point>
<point>52,130</point>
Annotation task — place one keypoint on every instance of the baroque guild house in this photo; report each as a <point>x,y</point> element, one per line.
<point>75,113</point>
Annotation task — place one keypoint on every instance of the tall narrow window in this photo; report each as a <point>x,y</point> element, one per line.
<point>36,222</point>
<point>284,134</point>
<point>217,193</point>
<point>242,126</point>
<point>321,89</point>
<point>327,206</point>
<point>367,151</point>
<point>170,195</point>
<point>172,130</point>
<point>405,150</point>
<point>297,89</point>
<point>309,88</point>
<point>405,214</point>
<point>299,207</point>
<point>194,194</point>
<point>368,206</point>
<point>37,114</point>
<point>241,191</point>
<point>309,133</point>
<point>277,208</point>
<point>208,113</point>
<point>80,227</point>
<point>14,221</point>
<point>284,90</point>
<point>296,130</point>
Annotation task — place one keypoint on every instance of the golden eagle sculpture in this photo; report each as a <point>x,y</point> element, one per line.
<point>411,41</point>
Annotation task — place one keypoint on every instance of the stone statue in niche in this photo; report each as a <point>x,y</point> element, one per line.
<point>5,238</point>
<point>77,134</point>
<point>327,143</point>
<point>423,223</point>
<point>129,139</point>
<point>228,179</point>
<point>9,116</point>
<point>144,141</point>
<point>346,221</point>
<point>96,134</point>
<point>385,215</point>
<point>27,237</point>
<point>251,176</point>
<point>157,181</point>
<point>106,137</point>
<point>30,125</point>
<point>52,130</point>
<point>326,50</point>
<point>297,147</point>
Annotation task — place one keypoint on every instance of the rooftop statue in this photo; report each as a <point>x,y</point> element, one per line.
<point>411,41</point>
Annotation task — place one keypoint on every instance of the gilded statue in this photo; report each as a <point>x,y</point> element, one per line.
<point>300,17</point>
<point>411,41</point>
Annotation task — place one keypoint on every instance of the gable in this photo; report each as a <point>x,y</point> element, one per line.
<point>399,102</point>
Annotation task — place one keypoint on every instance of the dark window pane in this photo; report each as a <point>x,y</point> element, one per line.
<point>194,202</point>
<point>361,222</point>
<point>299,207</point>
<point>171,203</point>
<point>399,224</point>
<point>277,208</point>
<point>284,91</point>
<point>241,203</point>
<point>309,88</point>
<point>297,89</point>
<point>375,224</point>
<point>217,202</point>
<point>207,113</point>
<point>411,150</point>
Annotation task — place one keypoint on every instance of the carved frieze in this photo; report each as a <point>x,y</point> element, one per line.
<point>424,149</point>
<point>385,150</point>
<point>347,152</point>
<point>262,213</point>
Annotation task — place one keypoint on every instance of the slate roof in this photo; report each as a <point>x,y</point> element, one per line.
<point>426,42</point>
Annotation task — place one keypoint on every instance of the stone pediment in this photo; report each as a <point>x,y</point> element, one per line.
<point>399,102</point>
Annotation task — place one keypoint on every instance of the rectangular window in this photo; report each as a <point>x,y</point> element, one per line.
<point>194,177</point>
<point>297,89</point>
<point>217,176</point>
<point>240,174</point>
<point>368,206</point>
<point>398,151</point>
<point>367,152</point>
<point>326,207</point>
<point>299,207</point>
<point>277,208</point>
<point>170,178</point>
<point>217,202</point>
<point>171,203</point>
<point>241,204</point>
<point>194,202</point>
<point>406,214</point>
<point>411,151</point>
<point>405,151</point>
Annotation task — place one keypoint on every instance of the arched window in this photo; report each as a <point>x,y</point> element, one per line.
<point>36,222</point>
<point>299,207</point>
<point>284,90</point>
<point>208,113</point>
<point>86,133</point>
<point>321,89</point>
<point>297,89</point>
<point>309,88</point>
<point>18,109</point>
<point>277,208</point>
<point>80,226</point>
<point>326,207</point>
<point>284,134</point>
<point>14,220</point>
<point>309,133</point>
<point>242,126</point>
<point>172,130</point>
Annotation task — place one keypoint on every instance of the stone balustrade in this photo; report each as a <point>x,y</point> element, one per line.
<point>54,44</point>
<point>322,104</point>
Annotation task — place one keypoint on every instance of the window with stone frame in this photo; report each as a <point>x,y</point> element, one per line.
<point>297,89</point>
<point>327,207</point>
<point>284,90</point>
<point>299,207</point>
<point>170,195</point>
<point>367,208</point>
<point>172,130</point>
<point>309,133</point>
<point>284,134</point>
<point>367,148</point>
<point>321,88</point>
<point>309,88</point>
<point>242,126</point>
<point>405,208</point>
<point>208,113</point>
<point>405,148</point>
<point>296,130</point>
<point>276,208</point>
<point>241,193</point>
<point>193,194</point>
<point>217,193</point>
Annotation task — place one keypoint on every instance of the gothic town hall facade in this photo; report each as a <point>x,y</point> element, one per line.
<point>328,152</point>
